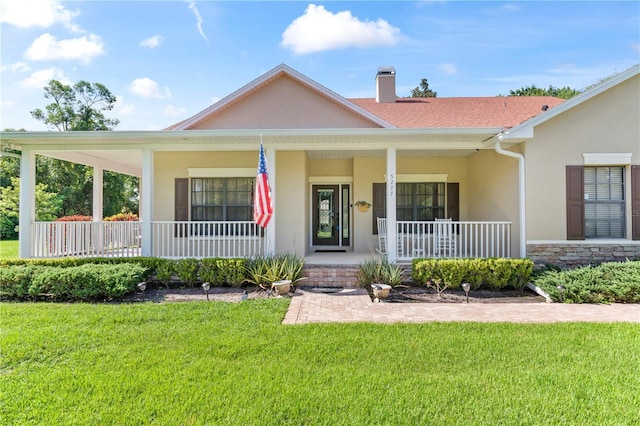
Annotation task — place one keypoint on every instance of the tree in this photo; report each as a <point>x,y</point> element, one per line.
<point>47,206</point>
<point>423,90</point>
<point>77,108</point>
<point>562,92</point>
<point>81,107</point>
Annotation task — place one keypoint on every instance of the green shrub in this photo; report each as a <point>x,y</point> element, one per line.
<point>451,272</point>
<point>187,270</point>
<point>15,281</point>
<point>499,274</point>
<point>607,283</point>
<point>264,270</point>
<point>492,273</point>
<point>164,271</point>
<point>477,271</point>
<point>86,282</point>
<point>150,263</point>
<point>219,271</point>
<point>379,271</point>
<point>256,270</point>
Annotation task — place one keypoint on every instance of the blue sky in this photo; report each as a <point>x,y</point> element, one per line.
<point>167,60</point>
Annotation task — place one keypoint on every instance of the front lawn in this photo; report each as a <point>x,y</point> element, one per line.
<point>211,363</point>
<point>8,249</point>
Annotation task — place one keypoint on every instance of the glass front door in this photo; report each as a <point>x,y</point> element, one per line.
<point>331,219</point>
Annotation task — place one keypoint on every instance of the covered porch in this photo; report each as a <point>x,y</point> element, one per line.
<point>489,221</point>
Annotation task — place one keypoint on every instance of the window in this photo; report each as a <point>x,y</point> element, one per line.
<point>604,203</point>
<point>420,201</point>
<point>222,199</point>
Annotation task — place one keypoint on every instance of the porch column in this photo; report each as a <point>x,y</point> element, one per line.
<point>27,209</point>
<point>271,227</point>
<point>97,210</point>
<point>392,246</point>
<point>146,202</point>
<point>98,203</point>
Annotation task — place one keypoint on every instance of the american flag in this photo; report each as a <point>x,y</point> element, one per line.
<point>262,205</point>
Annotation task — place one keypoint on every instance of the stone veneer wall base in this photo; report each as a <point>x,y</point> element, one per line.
<point>573,255</point>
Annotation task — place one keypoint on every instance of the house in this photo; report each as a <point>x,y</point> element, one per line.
<point>555,180</point>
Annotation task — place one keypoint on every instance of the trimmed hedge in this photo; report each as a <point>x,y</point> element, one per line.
<point>607,283</point>
<point>492,273</point>
<point>85,283</point>
<point>220,271</point>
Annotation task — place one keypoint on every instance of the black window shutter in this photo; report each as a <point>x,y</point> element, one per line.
<point>379,204</point>
<point>635,202</point>
<point>453,201</point>
<point>575,203</point>
<point>181,203</point>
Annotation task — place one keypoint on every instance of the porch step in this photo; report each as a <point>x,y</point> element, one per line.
<point>340,275</point>
<point>330,275</point>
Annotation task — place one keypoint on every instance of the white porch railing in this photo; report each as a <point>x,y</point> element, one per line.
<point>453,239</point>
<point>86,239</point>
<point>207,239</point>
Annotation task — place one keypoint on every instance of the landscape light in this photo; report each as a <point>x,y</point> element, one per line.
<point>206,287</point>
<point>466,287</point>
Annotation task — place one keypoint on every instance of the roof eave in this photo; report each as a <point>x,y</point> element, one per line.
<point>524,130</point>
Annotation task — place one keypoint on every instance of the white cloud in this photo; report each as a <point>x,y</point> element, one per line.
<point>122,108</point>
<point>147,88</point>
<point>318,29</point>
<point>448,68</point>
<point>636,47</point>
<point>17,67</point>
<point>35,13</point>
<point>152,42</point>
<point>173,111</point>
<point>39,79</point>
<point>7,103</point>
<point>47,47</point>
<point>199,20</point>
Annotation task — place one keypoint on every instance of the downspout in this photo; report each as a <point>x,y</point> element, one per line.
<point>521,191</point>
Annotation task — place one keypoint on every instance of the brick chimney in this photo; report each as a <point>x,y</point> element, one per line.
<point>386,85</point>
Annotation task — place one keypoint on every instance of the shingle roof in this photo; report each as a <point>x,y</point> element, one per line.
<point>500,111</point>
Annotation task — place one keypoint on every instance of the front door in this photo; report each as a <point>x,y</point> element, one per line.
<point>331,219</point>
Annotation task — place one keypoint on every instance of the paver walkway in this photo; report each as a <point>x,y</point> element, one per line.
<point>355,305</point>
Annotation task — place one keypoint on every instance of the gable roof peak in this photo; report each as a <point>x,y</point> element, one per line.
<point>275,72</point>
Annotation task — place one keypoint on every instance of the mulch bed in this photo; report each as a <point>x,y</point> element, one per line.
<point>401,294</point>
<point>408,294</point>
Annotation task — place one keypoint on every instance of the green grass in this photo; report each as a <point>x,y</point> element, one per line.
<point>211,363</point>
<point>8,249</point>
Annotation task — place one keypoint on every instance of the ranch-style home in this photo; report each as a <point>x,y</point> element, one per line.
<point>539,177</point>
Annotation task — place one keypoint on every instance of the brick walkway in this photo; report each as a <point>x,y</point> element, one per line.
<point>355,305</point>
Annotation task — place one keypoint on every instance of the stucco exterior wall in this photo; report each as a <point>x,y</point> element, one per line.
<point>284,104</point>
<point>493,191</point>
<point>607,123</point>
<point>171,165</point>
<point>291,202</point>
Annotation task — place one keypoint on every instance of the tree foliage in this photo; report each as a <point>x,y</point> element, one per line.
<point>77,107</point>
<point>557,92</point>
<point>423,91</point>
<point>80,107</point>
<point>47,206</point>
